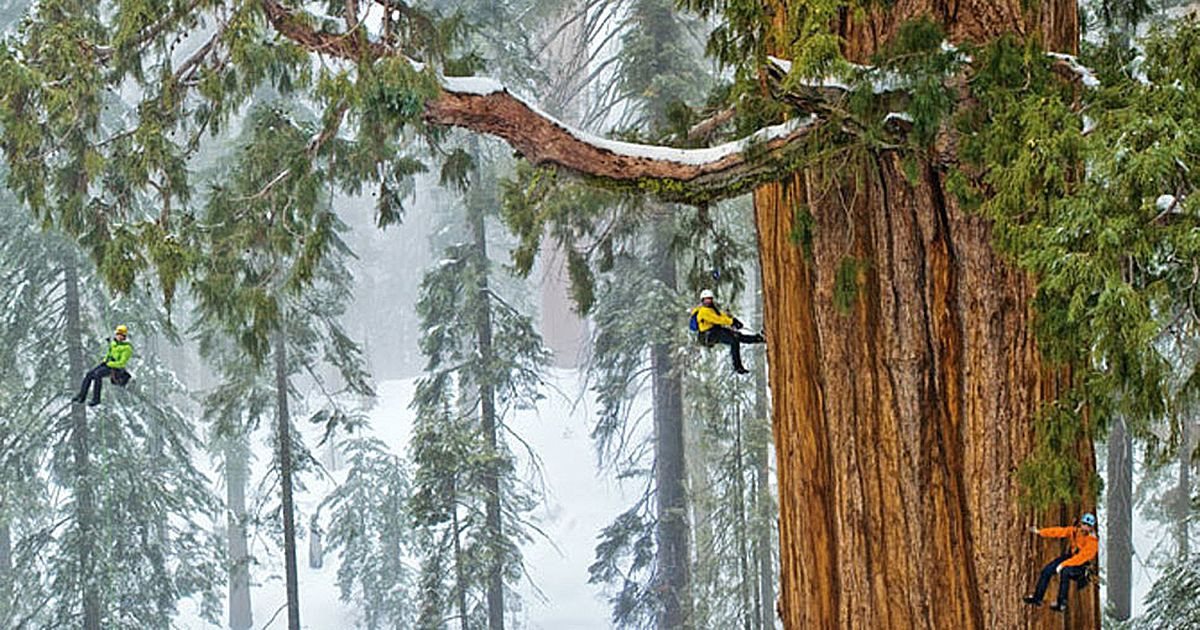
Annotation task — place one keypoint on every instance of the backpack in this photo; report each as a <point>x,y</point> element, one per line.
<point>693,323</point>
<point>121,377</point>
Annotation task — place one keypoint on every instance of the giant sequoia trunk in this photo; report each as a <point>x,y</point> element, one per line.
<point>901,419</point>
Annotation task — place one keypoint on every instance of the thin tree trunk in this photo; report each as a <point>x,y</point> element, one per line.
<point>764,502</point>
<point>487,401</point>
<point>241,616</point>
<point>284,455</point>
<point>5,554</point>
<point>85,507</point>
<point>316,550</point>
<point>739,484</point>
<point>460,580</point>
<point>669,467</point>
<point>161,534</point>
<point>6,572</point>
<point>1119,554</point>
<point>1183,491</point>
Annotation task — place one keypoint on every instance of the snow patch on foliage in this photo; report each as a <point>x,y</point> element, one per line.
<point>478,86</point>
<point>1165,203</point>
<point>1085,74</point>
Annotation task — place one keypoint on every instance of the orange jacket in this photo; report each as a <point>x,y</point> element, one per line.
<point>1083,545</point>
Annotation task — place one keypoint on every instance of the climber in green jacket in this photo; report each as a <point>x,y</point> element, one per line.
<point>113,365</point>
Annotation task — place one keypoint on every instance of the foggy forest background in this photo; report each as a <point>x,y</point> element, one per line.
<point>469,444</point>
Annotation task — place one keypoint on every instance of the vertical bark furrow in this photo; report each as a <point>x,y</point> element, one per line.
<point>808,535</point>
<point>898,368</point>
<point>950,333</point>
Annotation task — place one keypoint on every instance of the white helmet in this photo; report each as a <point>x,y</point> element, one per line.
<point>707,295</point>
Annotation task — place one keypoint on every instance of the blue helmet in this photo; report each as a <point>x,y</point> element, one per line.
<point>1088,519</point>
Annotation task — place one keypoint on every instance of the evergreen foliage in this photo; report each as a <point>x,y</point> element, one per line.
<point>263,284</point>
<point>372,528</point>
<point>121,185</point>
<point>149,546</point>
<point>459,447</point>
<point>724,496</point>
<point>1171,602</point>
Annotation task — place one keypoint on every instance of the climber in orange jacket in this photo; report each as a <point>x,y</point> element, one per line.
<point>1072,565</point>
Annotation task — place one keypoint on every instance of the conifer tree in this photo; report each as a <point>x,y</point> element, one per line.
<point>249,289</point>
<point>371,526</point>
<point>484,360</point>
<point>120,509</point>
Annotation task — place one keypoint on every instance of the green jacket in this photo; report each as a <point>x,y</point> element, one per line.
<point>118,354</point>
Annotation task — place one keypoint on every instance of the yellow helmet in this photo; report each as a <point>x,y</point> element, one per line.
<point>122,330</point>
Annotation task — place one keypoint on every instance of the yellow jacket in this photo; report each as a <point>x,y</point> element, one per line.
<point>707,317</point>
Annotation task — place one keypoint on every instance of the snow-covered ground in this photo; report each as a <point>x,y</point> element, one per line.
<point>578,503</point>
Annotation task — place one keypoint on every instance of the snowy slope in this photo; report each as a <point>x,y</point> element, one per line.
<point>578,504</point>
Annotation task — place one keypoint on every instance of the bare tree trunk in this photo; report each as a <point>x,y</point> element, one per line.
<point>160,527</point>
<point>669,467</point>
<point>284,455</point>
<point>746,579</point>
<point>487,401</point>
<point>563,331</point>
<point>1119,554</point>
<point>1183,496</point>
<point>764,503</point>
<point>85,507</point>
<point>460,580</point>
<point>316,551</point>
<point>241,616</point>
<point>6,570</point>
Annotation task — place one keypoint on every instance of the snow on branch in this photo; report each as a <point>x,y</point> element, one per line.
<point>672,173</point>
<point>1085,74</point>
<point>484,105</point>
<point>1067,64</point>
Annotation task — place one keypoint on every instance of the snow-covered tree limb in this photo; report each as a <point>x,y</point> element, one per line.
<point>713,172</point>
<point>484,105</point>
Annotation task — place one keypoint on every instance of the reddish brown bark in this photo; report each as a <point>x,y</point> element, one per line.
<point>543,142</point>
<point>900,421</point>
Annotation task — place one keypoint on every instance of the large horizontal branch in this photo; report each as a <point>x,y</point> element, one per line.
<point>485,106</point>
<point>671,173</point>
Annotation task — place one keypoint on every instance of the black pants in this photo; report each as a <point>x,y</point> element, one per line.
<point>1065,578</point>
<point>93,380</point>
<point>732,338</point>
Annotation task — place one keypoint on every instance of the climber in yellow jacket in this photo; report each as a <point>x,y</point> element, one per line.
<point>713,326</point>
<point>112,365</point>
<point>1072,565</point>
